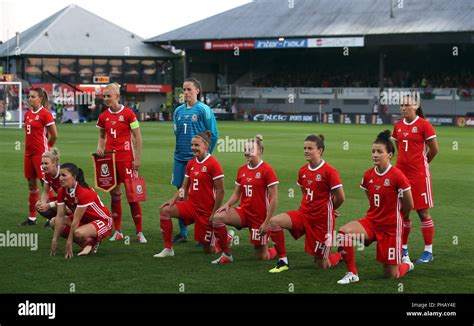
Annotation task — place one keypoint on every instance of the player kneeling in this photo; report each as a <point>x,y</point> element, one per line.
<point>256,188</point>
<point>315,218</point>
<point>47,205</point>
<point>389,194</point>
<point>91,221</point>
<point>203,186</point>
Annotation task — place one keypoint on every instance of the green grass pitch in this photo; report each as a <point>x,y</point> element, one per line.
<point>122,268</point>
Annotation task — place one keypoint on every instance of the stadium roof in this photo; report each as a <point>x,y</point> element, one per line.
<point>317,18</point>
<point>74,31</point>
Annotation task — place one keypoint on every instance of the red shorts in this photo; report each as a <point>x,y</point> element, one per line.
<point>318,242</point>
<point>124,172</point>
<point>202,231</point>
<point>421,193</point>
<point>32,167</point>
<point>103,228</point>
<point>254,228</point>
<point>389,243</point>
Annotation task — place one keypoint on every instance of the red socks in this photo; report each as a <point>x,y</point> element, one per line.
<point>402,270</point>
<point>278,239</point>
<point>166,230</point>
<point>220,232</point>
<point>32,199</point>
<point>427,229</point>
<point>406,231</point>
<point>136,210</point>
<point>347,252</point>
<point>117,211</point>
<point>334,259</point>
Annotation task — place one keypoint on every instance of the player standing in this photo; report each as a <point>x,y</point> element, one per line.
<point>120,132</point>
<point>92,221</point>
<point>41,134</point>
<point>190,119</point>
<point>388,191</point>
<point>322,192</point>
<point>417,147</point>
<point>203,186</point>
<point>256,186</point>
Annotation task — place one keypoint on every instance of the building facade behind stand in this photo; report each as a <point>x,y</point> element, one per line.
<point>73,54</point>
<point>273,60</point>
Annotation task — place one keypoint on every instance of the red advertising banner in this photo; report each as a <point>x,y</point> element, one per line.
<point>150,88</point>
<point>104,171</point>
<point>465,121</point>
<point>229,45</point>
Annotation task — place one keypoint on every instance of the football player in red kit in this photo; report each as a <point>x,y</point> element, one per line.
<point>322,195</point>
<point>91,221</point>
<point>388,191</point>
<point>203,191</point>
<point>47,205</point>
<point>120,132</point>
<point>256,188</point>
<point>41,134</point>
<point>417,146</point>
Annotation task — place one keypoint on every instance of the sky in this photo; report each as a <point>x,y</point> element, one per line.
<point>145,18</point>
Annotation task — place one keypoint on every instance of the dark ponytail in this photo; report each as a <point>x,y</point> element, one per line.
<point>76,173</point>
<point>384,138</point>
<point>419,112</point>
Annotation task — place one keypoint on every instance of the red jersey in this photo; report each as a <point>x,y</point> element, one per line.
<point>36,124</point>
<point>411,139</point>
<point>254,184</point>
<point>201,183</point>
<point>118,127</point>
<point>84,197</point>
<point>318,184</point>
<point>384,190</point>
<point>52,181</point>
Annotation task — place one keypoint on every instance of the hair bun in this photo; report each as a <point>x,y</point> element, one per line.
<point>259,137</point>
<point>384,135</point>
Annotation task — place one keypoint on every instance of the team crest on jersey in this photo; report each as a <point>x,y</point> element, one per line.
<point>121,118</point>
<point>318,177</point>
<point>195,117</point>
<point>139,189</point>
<point>386,182</point>
<point>414,130</point>
<point>258,175</point>
<point>204,169</point>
